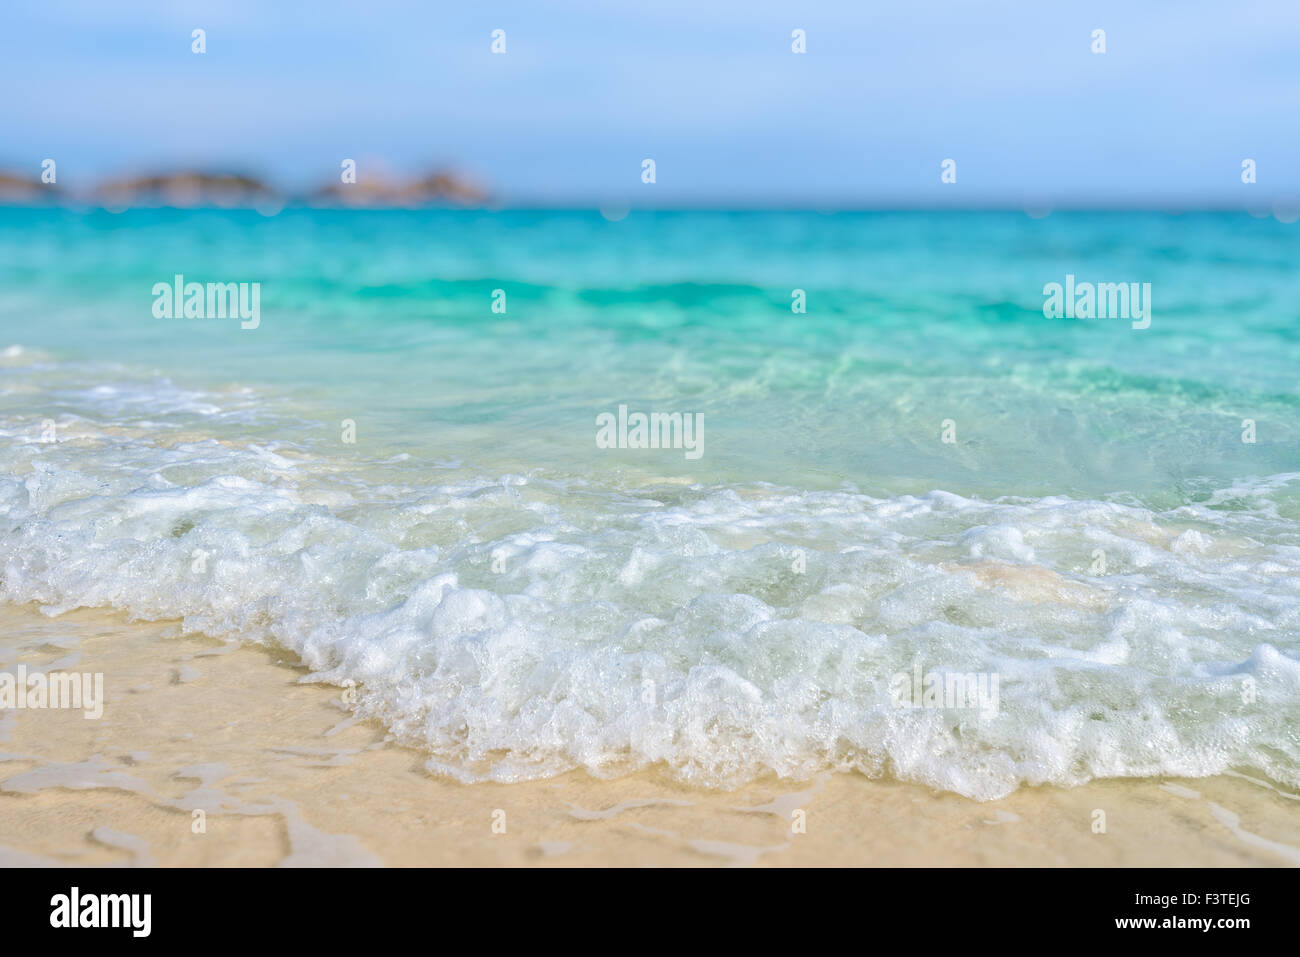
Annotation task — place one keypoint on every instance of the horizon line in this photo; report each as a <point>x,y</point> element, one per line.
<point>615,209</point>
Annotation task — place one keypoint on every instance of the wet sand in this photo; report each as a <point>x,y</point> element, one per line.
<point>209,754</point>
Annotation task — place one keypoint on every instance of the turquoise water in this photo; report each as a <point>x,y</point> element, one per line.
<point>519,601</point>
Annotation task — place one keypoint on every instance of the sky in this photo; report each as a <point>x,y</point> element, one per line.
<point>708,89</point>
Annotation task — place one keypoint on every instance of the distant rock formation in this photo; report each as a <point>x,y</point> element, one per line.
<point>16,189</point>
<point>440,187</point>
<point>187,189</point>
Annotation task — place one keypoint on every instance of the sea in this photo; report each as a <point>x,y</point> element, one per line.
<point>716,494</point>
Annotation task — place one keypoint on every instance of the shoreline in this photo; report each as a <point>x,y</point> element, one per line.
<point>283,774</point>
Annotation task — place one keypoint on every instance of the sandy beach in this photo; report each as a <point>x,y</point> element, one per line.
<point>285,776</point>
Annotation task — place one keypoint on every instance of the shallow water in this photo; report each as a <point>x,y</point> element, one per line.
<point>518,601</point>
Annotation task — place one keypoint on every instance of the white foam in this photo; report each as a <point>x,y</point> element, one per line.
<point>623,629</point>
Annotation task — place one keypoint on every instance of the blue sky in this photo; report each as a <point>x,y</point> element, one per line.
<point>708,88</point>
